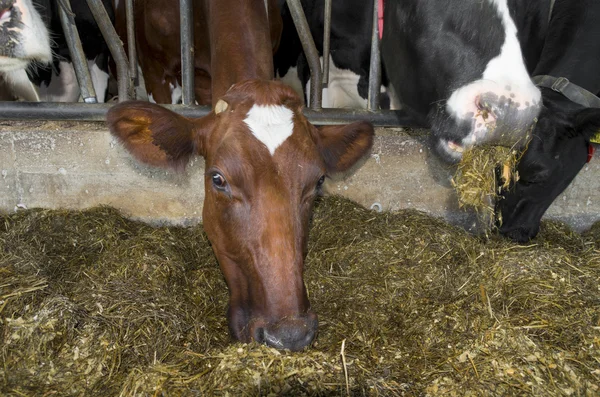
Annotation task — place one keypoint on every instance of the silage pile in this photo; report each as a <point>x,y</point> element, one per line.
<point>93,304</point>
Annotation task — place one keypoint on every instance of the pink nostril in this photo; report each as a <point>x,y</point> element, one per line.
<point>5,14</point>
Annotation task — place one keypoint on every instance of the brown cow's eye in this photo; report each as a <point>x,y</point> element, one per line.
<point>320,182</point>
<point>219,181</point>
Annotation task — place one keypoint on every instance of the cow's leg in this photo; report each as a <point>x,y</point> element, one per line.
<point>157,86</point>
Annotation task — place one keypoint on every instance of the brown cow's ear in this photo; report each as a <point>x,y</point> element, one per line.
<point>342,146</point>
<point>156,135</point>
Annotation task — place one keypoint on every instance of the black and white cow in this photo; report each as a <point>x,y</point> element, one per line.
<point>463,68</point>
<point>36,50</point>
<point>561,140</point>
<point>24,40</point>
<point>457,66</point>
<point>350,52</point>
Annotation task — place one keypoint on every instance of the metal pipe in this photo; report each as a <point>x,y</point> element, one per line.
<point>97,112</point>
<point>326,42</point>
<point>375,66</point>
<point>187,51</point>
<point>132,47</point>
<point>115,46</point>
<point>312,55</point>
<point>82,72</point>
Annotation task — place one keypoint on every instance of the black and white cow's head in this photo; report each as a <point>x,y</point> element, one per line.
<point>23,39</point>
<point>559,149</point>
<point>460,70</point>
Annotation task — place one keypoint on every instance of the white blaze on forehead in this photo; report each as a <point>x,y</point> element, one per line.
<point>507,69</point>
<point>509,65</point>
<point>270,124</point>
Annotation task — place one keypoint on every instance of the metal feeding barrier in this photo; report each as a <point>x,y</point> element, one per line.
<point>127,72</point>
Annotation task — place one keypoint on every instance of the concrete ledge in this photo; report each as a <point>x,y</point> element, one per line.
<point>78,165</point>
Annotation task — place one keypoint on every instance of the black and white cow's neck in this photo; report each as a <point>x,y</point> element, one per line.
<point>461,70</point>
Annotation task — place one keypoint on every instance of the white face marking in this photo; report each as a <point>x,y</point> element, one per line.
<point>20,85</point>
<point>506,69</point>
<point>270,124</point>
<point>505,76</point>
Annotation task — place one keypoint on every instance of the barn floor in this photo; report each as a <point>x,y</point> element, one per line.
<point>94,304</point>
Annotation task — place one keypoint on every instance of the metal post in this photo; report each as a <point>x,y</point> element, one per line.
<point>326,41</point>
<point>187,51</point>
<point>84,78</point>
<point>312,55</point>
<point>97,112</point>
<point>133,70</point>
<point>115,46</point>
<point>375,66</point>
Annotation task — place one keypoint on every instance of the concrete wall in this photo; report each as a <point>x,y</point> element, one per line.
<point>78,165</point>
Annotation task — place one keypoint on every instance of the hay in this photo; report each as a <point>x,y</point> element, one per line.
<point>475,180</point>
<point>93,304</point>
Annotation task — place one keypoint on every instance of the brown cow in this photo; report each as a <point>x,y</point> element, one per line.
<point>264,166</point>
<point>234,40</point>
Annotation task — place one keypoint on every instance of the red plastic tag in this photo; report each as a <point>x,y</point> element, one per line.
<point>591,150</point>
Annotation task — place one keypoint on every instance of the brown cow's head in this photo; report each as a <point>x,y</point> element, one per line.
<point>264,166</point>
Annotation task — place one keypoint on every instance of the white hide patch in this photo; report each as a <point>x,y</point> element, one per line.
<point>505,70</point>
<point>342,89</point>
<point>99,80</point>
<point>270,124</point>
<point>176,93</point>
<point>291,79</point>
<point>63,87</point>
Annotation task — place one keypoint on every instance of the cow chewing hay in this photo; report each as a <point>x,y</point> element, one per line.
<point>94,304</point>
<point>475,180</point>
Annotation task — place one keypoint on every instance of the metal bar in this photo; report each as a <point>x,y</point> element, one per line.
<point>375,66</point>
<point>82,72</point>
<point>97,112</point>
<point>131,48</point>
<point>312,55</point>
<point>187,51</point>
<point>115,46</point>
<point>326,42</point>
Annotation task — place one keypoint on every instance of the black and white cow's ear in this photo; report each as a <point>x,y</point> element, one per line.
<point>156,135</point>
<point>342,146</point>
<point>587,122</point>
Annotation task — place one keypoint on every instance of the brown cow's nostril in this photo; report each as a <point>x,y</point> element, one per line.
<point>259,335</point>
<point>293,333</point>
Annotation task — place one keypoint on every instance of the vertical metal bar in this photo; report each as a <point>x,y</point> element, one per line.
<point>326,41</point>
<point>84,78</point>
<point>131,48</point>
<point>312,55</point>
<point>115,46</point>
<point>375,66</point>
<point>187,51</point>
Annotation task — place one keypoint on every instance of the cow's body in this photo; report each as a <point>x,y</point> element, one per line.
<point>459,68</point>
<point>560,144</point>
<point>226,50</point>
<point>350,52</point>
<point>57,82</point>
<point>264,165</point>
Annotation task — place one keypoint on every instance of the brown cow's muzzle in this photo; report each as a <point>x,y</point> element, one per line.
<point>293,333</point>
